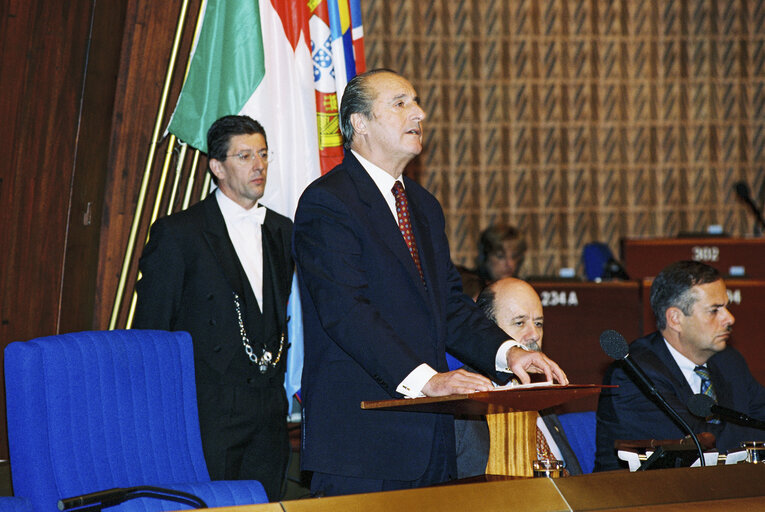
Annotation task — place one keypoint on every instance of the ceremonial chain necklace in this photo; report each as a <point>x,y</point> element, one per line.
<point>266,357</point>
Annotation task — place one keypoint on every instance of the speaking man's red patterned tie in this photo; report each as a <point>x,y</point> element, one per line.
<point>405,224</point>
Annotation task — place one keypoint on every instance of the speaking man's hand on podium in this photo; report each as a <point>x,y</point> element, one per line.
<point>519,361</point>
<point>457,382</point>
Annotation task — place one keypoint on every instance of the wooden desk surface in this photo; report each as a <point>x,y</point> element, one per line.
<point>734,487</point>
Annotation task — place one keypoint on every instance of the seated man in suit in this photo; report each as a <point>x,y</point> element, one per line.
<point>688,354</point>
<point>516,308</point>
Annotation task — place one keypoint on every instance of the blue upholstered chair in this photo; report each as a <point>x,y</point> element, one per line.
<point>11,504</point>
<point>580,432</point>
<point>97,410</point>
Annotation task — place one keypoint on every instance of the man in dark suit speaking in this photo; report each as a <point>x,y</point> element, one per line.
<point>381,303</point>
<point>689,354</point>
<point>222,271</point>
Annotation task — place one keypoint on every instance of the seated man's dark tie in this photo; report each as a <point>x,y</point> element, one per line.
<point>707,388</point>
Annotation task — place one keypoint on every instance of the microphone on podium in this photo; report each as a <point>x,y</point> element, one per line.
<point>742,191</point>
<point>615,346</point>
<point>704,406</point>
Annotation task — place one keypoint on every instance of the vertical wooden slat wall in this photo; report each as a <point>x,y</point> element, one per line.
<point>581,120</point>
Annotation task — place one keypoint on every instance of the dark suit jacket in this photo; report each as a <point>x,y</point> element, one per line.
<point>627,413</point>
<point>189,271</point>
<point>559,436</point>
<point>369,321</point>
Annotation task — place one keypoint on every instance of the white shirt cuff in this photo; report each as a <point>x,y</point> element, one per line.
<point>411,386</point>
<point>501,360</point>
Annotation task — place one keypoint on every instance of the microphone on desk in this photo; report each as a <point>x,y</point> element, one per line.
<point>615,346</point>
<point>704,406</point>
<point>742,191</point>
<point>108,497</point>
<point>111,497</point>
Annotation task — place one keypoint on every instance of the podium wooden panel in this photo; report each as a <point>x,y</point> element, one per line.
<point>646,257</point>
<point>735,487</point>
<point>512,443</point>
<point>511,416</point>
<point>747,303</point>
<point>575,316</point>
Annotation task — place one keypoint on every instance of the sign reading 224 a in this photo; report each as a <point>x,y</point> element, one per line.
<point>559,298</point>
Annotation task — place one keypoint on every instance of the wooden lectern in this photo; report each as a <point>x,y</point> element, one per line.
<point>510,412</point>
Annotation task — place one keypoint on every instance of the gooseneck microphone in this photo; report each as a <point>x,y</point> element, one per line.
<point>742,191</point>
<point>110,497</point>
<point>704,406</point>
<point>615,346</point>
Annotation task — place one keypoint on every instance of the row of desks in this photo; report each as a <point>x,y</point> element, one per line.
<point>576,313</point>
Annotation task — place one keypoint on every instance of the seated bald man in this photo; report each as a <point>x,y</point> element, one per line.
<point>516,308</point>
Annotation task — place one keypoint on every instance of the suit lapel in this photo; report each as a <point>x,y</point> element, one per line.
<point>216,234</point>
<point>422,233</point>
<point>555,427</point>
<point>273,271</point>
<point>379,216</point>
<point>682,388</point>
<point>426,247</point>
<point>217,237</point>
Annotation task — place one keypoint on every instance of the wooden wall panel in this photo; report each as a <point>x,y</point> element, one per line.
<point>146,50</point>
<point>41,75</point>
<point>581,120</point>
<point>91,165</point>
<point>55,144</point>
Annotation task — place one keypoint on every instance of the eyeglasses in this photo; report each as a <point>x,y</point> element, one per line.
<point>247,157</point>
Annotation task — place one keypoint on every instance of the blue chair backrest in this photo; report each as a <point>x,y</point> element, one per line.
<point>595,255</point>
<point>580,431</point>
<point>453,362</point>
<point>95,410</point>
<point>12,504</point>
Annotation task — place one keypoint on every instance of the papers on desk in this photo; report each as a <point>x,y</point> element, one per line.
<point>514,384</point>
<point>735,457</point>
<point>634,460</point>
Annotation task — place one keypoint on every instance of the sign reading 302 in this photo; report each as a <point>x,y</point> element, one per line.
<point>705,253</point>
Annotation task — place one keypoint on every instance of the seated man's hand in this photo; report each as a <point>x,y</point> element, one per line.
<point>457,382</point>
<point>522,362</point>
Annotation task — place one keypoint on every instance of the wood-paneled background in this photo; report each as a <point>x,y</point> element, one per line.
<point>582,120</point>
<point>577,120</point>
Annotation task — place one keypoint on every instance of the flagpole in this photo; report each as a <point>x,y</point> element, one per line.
<point>154,214</point>
<point>147,170</point>
<point>191,180</point>
<point>184,146</point>
<point>166,166</point>
<point>176,177</point>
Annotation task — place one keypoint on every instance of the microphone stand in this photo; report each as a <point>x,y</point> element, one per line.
<point>615,346</point>
<point>643,378</point>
